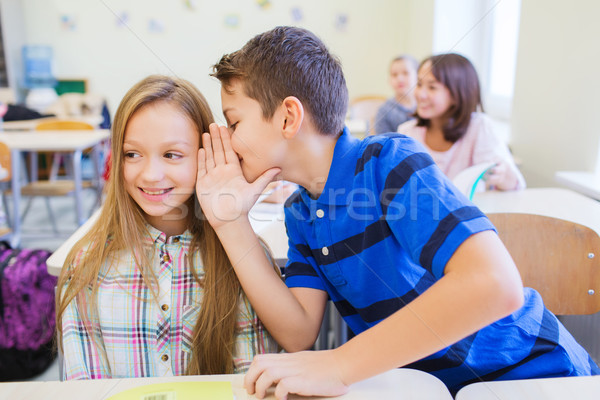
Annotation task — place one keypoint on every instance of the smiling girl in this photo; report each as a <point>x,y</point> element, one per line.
<point>452,127</point>
<point>149,291</point>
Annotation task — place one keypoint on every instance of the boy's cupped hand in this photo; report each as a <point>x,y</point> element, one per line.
<point>223,192</point>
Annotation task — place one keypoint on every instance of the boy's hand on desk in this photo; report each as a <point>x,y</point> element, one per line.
<point>307,373</point>
<point>223,192</point>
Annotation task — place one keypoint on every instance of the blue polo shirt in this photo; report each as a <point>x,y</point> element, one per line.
<point>382,232</point>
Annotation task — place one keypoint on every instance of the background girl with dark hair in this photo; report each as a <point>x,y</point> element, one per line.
<point>452,126</point>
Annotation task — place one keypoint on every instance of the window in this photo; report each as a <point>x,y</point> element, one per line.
<point>487,33</point>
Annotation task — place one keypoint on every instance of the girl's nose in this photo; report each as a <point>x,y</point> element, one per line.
<point>153,171</point>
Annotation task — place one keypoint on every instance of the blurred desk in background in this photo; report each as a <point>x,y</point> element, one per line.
<point>357,127</point>
<point>551,202</point>
<point>30,124</point>
<point>587,183</point>
<point>72,142</point>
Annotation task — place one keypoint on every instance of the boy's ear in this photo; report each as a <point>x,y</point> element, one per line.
<point>293,115</point>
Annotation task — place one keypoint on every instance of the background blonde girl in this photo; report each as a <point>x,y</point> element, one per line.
<point>149,291</point>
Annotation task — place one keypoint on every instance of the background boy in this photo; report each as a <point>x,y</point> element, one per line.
<point>415,269</point>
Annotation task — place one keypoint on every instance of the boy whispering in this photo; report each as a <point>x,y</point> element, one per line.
<point>415,269</point>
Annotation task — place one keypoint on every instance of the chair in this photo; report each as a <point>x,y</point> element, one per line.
<point>61,125</point>
<point>4,182</point>
<point>53,186</point>
<point>365,108</point>
<point>558,258</point>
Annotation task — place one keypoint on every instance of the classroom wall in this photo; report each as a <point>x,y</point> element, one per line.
<point>89,43</point>
<point>555,106</point>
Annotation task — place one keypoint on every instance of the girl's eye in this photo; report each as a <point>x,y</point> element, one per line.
<point>232,127</point>
<point>131,154</point>
<point>172,156</point>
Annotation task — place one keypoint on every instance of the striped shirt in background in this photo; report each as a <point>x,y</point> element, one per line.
<point>143,338</point>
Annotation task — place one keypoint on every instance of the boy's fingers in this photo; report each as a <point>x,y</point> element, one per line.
<point>217,145</point>
<point>208,151</point>
<point>262,181</point>
<point>230,155</point>
<point>263,383</point>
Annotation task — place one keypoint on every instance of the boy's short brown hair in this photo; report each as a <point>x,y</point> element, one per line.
<point>290,61</point>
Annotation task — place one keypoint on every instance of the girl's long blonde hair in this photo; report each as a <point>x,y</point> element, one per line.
<point>121,226</point>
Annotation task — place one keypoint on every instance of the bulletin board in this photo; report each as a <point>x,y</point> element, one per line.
<point>71,86</point>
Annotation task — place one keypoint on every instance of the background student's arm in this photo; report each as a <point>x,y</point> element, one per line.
<point>490,148</point>
<point>480,285</point>
<point>292,317</point>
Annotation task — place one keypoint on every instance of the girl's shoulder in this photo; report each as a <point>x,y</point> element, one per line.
<point>480,120</point>
<point>409,126</point>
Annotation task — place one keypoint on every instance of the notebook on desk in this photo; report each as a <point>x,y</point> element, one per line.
<point>178,391</point>
<point>470,180</point>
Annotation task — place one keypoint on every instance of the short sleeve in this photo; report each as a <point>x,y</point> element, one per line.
<point>490,148</point>
<point>426,214</point>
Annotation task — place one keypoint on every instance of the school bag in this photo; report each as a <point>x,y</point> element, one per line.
<point>26,313</point>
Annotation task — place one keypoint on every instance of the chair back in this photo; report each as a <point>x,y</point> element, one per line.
<point>558,258</point>
<point>365,108</point>
<point>5,161</point>
<point>63,125</point>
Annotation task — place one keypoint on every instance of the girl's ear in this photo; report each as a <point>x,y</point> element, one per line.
<point>293,115</point>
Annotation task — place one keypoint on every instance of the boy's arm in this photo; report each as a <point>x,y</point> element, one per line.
<point>292,317</point>
<point>481,285</point>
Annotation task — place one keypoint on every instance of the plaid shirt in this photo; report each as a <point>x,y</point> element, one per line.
<point>141,337</point>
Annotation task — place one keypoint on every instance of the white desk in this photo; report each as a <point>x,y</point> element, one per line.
<point>30,124</point>
<point>266,219</point>
<point>357,127</point>
<point>572,388</point>
<point>587,183</point>
<point>396,384</point>
<point>73,141</point>
<point>551,202</point>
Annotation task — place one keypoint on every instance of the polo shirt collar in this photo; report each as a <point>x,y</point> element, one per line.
<point>340,179</point>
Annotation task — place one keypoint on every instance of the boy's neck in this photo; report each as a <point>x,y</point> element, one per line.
<point>310,161</point>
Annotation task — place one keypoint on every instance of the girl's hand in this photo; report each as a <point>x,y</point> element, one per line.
<point>307,373</point>
<point>501,177</point>
<point>223,192</point>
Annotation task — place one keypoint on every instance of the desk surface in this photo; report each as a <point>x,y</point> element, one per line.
<point>51,140</point>
<point>573,388</point>
<point>30,124</point>
<point>587,183</point>
<point>551,202</point>
<point>396,384</point>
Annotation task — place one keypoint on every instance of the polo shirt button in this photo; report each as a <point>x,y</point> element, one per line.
<point>176,239</point>
<point>165,307</point>
<point>164,357</point>
<point>320,213</point>
<point>166,258</point>
<point>325,251</point>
